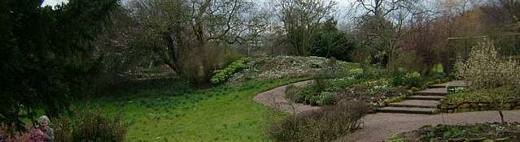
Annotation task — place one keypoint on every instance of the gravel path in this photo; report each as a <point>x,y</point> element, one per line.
<point>379,126</point>
<point>275,98</point>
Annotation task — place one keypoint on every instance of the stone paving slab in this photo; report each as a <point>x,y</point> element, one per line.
<point>433,91</point>
<point>414,110</point>
<point>456,83</point>
<point>423,97</point>
<point>416,103</point>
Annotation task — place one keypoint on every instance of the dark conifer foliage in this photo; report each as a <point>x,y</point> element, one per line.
<point>45,54</point>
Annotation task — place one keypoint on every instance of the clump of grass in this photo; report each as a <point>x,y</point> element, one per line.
<point>89,126</point>
<point>323,125</point>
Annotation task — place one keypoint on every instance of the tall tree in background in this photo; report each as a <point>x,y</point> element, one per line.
<point>301,19</point>
<point>380,27</point>
<point>190,34</point>
<point>46,55</point>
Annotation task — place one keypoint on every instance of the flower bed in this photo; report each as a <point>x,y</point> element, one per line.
<point>267,68</point>
<point>460,100</point>
<point>455,133</point>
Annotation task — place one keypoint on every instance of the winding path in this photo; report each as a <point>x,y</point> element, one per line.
<point>379,126</point>
<point>275,98</point>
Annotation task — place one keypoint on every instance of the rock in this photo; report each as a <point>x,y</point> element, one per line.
<point>464,106</point>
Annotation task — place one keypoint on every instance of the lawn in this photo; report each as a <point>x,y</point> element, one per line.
<point>168,111</point>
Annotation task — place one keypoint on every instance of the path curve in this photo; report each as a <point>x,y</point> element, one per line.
<point>275,98</point>
<point>379,126</point>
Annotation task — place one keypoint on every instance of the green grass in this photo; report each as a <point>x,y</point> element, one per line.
<point>172,112</point>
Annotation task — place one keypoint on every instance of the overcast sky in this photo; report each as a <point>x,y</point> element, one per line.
<point>53,2</point>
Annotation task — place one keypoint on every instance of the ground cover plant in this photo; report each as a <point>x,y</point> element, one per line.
<point>265,68</point>
<point>474,132</point>
<point>374,86</point>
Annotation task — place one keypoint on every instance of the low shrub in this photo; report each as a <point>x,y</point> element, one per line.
<point>500,94</point>
<point>438,71</point>
<point>309,94</point>
<point>411,79</point>
<point>85,126</point>
<point>485,68</point>
<point>473,132</point>
<point>224,74</point>
<point>323,125</point>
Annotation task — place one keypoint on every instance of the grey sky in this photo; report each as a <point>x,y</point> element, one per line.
<point>53,2</point>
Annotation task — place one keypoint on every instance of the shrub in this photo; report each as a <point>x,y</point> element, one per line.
<point>323,125</point>
<point>486,69</point>
<point>222,75</point>
<point>438,71</point>
<point>411,79</point>
<point>89,126</point>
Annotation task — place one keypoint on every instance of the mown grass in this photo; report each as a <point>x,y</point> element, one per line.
<point>171,111</point>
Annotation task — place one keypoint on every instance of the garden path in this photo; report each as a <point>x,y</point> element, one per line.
<point>379,126</point>
<point>275,98</point>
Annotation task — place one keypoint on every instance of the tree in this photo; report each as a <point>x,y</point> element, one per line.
<point>381,27</point>
<point>301,18</point>
<point>189,33</point>
<point>329,41</point>
<point>46,55</point>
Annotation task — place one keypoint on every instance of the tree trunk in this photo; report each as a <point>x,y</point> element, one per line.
<point>501,116</point>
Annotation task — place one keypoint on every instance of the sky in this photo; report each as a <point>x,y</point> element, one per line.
<point>56,2</point>
<point>53,2</point>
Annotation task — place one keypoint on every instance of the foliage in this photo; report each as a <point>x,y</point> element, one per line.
<point>475,132</point>
<point>222,75</point>
<point>324,87</point>
<point>377,35</point>
<point>41,70</point>
<point>438,71</point>
<point>306,94</point>
<point>192,36</point>
<point>265,68</point>
<point>410,79</point>
<point>89,126</point>
<point>301,19</point>
<point>322,125</point>
<point>486,69</point>
<point>502,94</point>
<point>331,42</point>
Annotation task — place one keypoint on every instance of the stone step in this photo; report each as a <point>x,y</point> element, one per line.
<point>456,83</point>
<point>413,110</point>
<point>433,92</point>
<point>416,103</point>
<point>424,97</point>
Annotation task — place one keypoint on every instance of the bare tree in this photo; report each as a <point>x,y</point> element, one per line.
<point>382,25</point>
<point>189,32</point>
<point>300,20</point>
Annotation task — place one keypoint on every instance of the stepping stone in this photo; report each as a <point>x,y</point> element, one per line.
<point>416,103</point>
<point>414,110</point>
<point>423,97</point>
<point>433,92</point>
<point>457,83</point>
